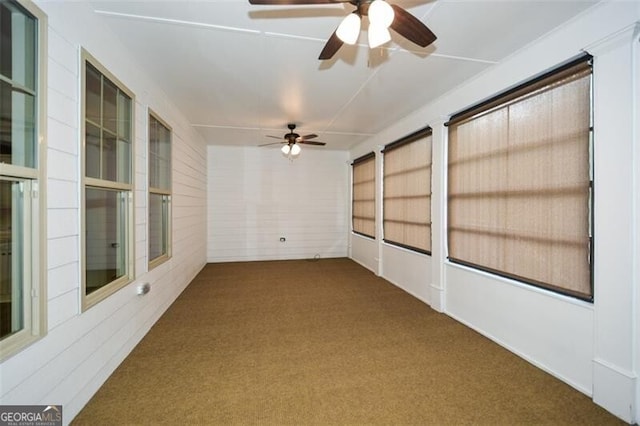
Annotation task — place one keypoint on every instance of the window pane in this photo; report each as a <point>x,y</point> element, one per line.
<point>106,225</point>
<point>158,209</point>
<point>92,150</point>
<point>11,258</point>
<point>17,127</point>
<point>164,157</point>
<point>116,161</point>
<point>109,156</point>
<point>93,93</point>
<point>23,129</point>
<point>124,161</point>
<point>124,116</point>
<point>109,115</point>
<point>18,45</point>
<point>159,155</point>
<point>5,122</point>
<point>5,41</point>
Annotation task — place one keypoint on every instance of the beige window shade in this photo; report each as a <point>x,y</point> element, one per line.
<point>364,196</point>
<point>407,192</point>
<point>519,184</point>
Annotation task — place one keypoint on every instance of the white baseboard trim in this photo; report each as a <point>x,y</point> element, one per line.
<point>615,390</point>
<point>437,298</point>
<point>524,356</point>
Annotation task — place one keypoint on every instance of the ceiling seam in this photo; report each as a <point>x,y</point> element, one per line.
<point>175,21</point>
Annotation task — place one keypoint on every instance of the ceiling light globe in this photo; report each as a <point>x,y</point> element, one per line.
<point>378,35</point>
<point>349,29</point>
<point>285,149</point>
<point>381,13</point>
<point>295,149</point>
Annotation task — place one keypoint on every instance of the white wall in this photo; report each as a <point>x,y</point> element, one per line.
<point>256,196</point>
<point>81,349</point>
<point>593,347</point>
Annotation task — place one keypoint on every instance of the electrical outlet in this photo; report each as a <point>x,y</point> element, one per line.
<point>283,239</point>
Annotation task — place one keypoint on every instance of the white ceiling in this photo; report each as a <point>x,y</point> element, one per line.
<point>240,72</point>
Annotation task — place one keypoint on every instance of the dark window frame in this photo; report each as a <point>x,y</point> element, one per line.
<point>418,135</point>
<point>511,96</point>
<point>357,161</point>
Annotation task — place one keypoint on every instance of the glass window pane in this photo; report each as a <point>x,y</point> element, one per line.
<point>109,114</point>
<point>124,161</point>
<point>159,155</point>
<point>93,91</point>
<point>105,227</point>
<point>165,158</point>
<point>124,116</point>
<point>24,50</point>
<point>5,122</point>
<point>17,127</point>
<point>23,129</point>
<point>92,164</point>
<point>5,40</point>
<point>158,209</point>
<point>11,258</point>
<point>109,156</point>
<point>18,45</point>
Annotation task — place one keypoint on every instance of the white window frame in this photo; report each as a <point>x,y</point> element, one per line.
<point>34,193</point>
<point>165,192</point>
<point>126,189</point>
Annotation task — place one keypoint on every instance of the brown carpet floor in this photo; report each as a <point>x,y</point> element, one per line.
<point>323,342</point>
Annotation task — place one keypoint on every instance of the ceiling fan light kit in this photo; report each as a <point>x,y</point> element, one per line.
<point>381,13</point>
<point>382,16</point>
<point>292,141</point>
<point>378,35</point>
<point>349,28</point>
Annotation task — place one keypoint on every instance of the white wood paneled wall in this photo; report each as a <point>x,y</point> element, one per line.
<point>256,196</point>
<point>81,349</point>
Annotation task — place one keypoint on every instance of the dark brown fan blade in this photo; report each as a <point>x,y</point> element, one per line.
<point>312,143</point>
<point>272,143</point>
<point>307,137</point>
<point>411,27</point>
<point>294,2</point>
<point>274,137</point>
<point>333,44</point>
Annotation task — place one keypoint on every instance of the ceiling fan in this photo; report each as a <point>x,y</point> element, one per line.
<point>382,16</point>
<point>293,140</point>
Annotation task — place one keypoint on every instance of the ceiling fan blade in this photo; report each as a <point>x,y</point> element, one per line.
<point>294,2</point>
<point>411,27</point>
<point>333,44</point>
<point>274,137</point>
<point>272,143</point>
<point>307,137</point>
<point>312,143</point>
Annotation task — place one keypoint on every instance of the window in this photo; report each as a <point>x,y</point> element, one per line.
<point>159,191</point>
<point>107,194</point>
<point>22,154</point>
<point>520,182</point>
<point>407,192</point>
<point>364,195</point>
